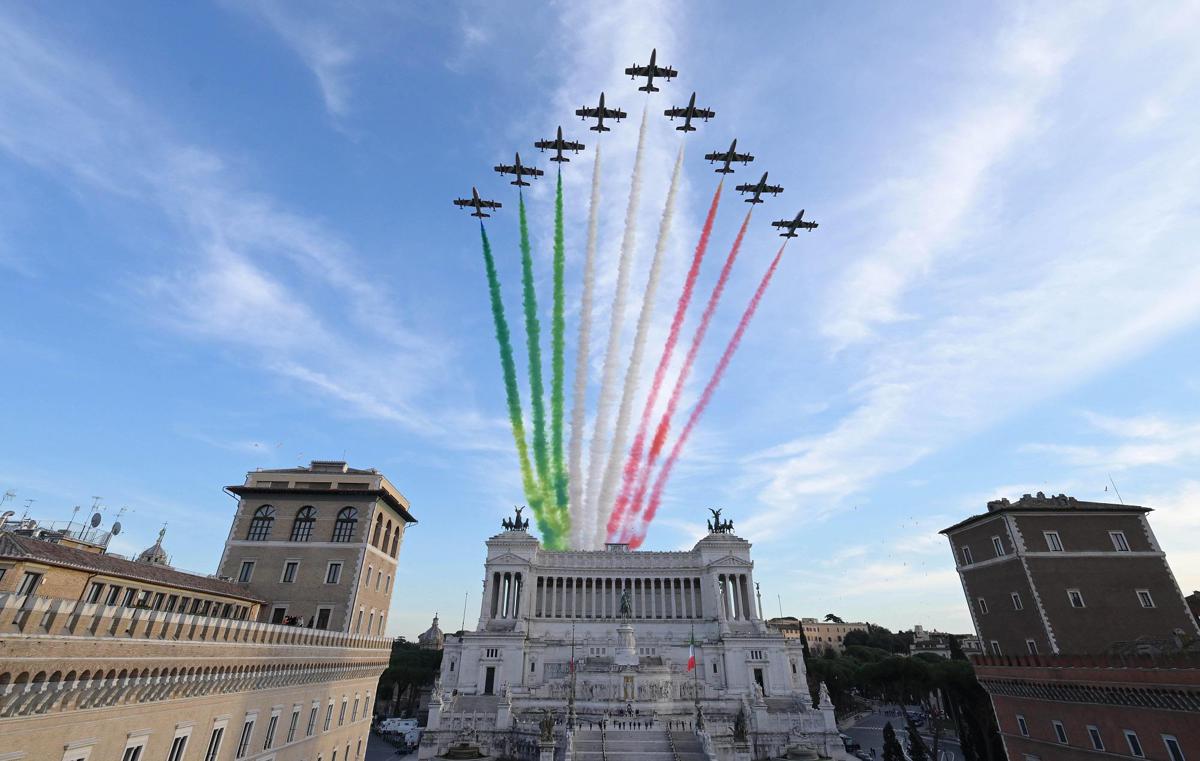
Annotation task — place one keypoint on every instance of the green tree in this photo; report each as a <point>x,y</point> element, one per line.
<point>916,745</point>
<point>410,668</point>
<point>891,746</point>
<point>830,618</point>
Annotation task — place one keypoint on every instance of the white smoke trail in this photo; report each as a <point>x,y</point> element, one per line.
<point>579,397</point>
<point>608,377</point>
<point>616,454</point>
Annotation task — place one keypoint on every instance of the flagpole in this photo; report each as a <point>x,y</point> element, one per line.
<point>571,704</point>
<point>696,683</point>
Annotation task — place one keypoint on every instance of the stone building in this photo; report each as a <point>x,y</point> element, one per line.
<point>432,638</point>
<point>820,635</point>
<point>1092,651</point>
<point>605,635</point>
<point>107,658</point>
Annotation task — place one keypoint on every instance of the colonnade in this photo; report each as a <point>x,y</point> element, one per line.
<point>736,601</point>
<point>584,597</point>
<point>506,594</point>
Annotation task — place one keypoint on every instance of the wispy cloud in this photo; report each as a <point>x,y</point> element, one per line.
<point>1134,442</point>
<point>1031,315</point>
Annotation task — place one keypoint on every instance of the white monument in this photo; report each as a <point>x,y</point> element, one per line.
<point>628,618</point>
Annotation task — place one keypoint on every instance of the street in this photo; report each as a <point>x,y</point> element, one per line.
<point>379,749</point>
<point>868,732</point>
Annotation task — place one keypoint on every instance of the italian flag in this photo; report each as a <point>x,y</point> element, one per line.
<point>691,652</point>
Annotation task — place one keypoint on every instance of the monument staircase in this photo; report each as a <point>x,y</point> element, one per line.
<point>654,744</point>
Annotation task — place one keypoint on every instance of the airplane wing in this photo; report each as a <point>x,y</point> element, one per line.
<point>746,188</point>
<point>463,202</point>
<point>544,144</point>
<point>808,225</point>
<point>588,113</point>
<point>640,71</point>
<point>703,113</point>
<point>742,157</point>
<point>772,189</point>
<point>666,72</point>
<point>505,168</point>
<point>531,171</point>
<point>571,145</point>
<point>489,204</point>
<point>717,157</point>
<point>782,223</point>
<point>682,112</point>
<point>614,113</point>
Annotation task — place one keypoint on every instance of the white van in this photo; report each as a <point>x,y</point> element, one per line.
<point>398,726</point>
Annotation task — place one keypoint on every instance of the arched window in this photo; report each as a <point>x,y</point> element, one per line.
<point>396,542</point>
<point>260,524</point>
<point>303,525</point>
<point>343,530</point>
<point>378,528</point>
<point>387,536</point>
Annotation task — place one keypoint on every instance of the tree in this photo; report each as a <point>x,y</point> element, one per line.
<point>916,746</point>
<point>891,746</point>
<point>830,618</point>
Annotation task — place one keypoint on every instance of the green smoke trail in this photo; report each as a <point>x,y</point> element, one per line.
<point>537,391</point>
<point>511,391</point>
<point>558,328</point>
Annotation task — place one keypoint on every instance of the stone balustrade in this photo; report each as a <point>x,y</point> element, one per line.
<point>30,615</point>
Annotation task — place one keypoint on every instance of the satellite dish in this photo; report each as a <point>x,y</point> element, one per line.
<point>95,520</point>
<point>116,529</point>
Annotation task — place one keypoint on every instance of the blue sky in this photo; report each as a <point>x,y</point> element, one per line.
<point>227,243</point>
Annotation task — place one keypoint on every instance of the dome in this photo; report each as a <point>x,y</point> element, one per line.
<point>155,553</point>
<point>432,638</point>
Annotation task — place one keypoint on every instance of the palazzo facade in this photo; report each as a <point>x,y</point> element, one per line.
<point>606,634</point>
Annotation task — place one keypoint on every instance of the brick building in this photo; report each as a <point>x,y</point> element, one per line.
<point>103,657</point>
<point>1092,648</point>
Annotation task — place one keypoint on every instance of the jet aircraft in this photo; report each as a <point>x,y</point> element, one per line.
<point>758,189</point>
<point>688,113</point>
<point>793,224</point>
<point>558,145</point>
<point>650,72</point>
<point>728,157</point>
<point>600,113</point>
<point>476,203</point>
<point>519,170</point>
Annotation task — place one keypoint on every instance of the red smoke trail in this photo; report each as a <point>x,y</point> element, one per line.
<point>664,423</point>
<point>705,398</point>
<point>639,442</point>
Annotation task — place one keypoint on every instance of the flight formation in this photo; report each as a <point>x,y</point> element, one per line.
<point>584,494</point>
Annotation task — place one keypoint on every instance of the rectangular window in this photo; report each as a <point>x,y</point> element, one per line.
<point>1135,745</point>
<point>1118,540</point>
<point>328,715</point>
<point>370,569</point>
<point>133,753</point>
<point>998,546</point>
<point>292,725</point>
<point>1145,599</point>
<point>388,587</point>
<point>1016,599</point>
<point>158,600</point>
<point>354,712</point>
<point>370,622</point>
<point>1094,736</point>
<point>312,722</point>
<point>1053,541</point>
<point>278,613</point>
<point>1022,727</point>
<point>128,599</point>
<point>289,571</point>
<point>1032,646</point>
<point>171,601</point>
<point>246,572</point>
<point>244,743</point>
<point>178,746</point>
<point>95,591</point>
<point>269,740</point>
<point>214,744</point>
<point>333,573</point>
<point>323,617</point>
<point>966,556</point>
<point>342,713</point>
<point>114,594</point>
<point>996,648</point>
<point>29,583</point>
<point>983,606</point>
<point>1173,748</point>
<point>1075,597</point>
<point>1059,731</point>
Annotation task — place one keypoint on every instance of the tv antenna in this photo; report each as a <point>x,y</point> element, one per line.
<point>7,496</point>
<point>1114,485</point>
<point>28,503</point>
<point>96,502</point>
